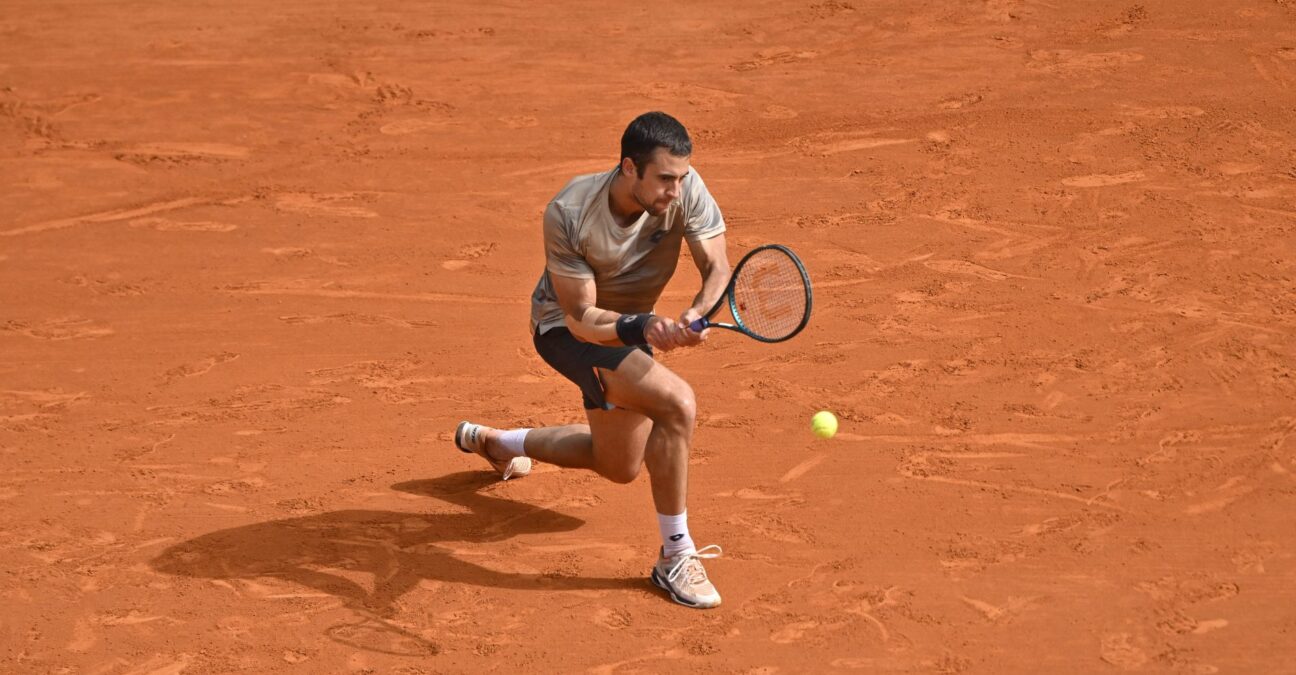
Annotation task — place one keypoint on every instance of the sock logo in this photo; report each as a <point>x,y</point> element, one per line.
<point>677,537</point>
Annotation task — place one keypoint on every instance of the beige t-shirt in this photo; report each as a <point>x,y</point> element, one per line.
<point>629,265</point>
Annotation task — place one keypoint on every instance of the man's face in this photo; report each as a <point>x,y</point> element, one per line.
<point>662,179</point>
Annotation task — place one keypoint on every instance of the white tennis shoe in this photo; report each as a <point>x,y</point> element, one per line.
<point>686,580</point>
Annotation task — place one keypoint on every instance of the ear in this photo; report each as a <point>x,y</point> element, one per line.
<point>628,168</point>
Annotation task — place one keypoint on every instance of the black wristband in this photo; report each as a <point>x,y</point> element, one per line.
<point>630,328</point>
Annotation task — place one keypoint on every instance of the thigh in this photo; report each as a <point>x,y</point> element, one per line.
<point>645,386</point>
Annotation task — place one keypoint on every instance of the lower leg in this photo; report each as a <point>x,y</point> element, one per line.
<point>567,446</point>
<point>666,457</point>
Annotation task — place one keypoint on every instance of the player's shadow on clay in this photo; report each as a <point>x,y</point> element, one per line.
<point>398,549</point>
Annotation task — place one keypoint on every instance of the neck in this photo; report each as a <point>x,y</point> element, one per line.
<point>621,201</point>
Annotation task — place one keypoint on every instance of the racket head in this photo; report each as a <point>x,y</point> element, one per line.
<point>770,296</point>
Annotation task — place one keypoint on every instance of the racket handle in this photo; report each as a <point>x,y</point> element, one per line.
<point>699,325</point>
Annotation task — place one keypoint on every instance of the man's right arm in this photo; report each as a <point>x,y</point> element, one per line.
<point>585,321</point>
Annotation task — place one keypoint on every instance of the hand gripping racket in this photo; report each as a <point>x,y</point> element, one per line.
<point>768,295</point>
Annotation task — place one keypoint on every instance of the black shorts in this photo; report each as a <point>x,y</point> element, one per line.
<point>579,362</point>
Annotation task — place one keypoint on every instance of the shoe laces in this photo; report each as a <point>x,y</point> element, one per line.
<point>689,564</point>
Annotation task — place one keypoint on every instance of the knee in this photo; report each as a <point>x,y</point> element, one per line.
<point>623,474</point>
<point>679,408</point>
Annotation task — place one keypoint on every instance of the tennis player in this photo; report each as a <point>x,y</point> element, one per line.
<point>612,241</point>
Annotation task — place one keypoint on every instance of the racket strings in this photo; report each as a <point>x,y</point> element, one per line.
<point>770,295</point>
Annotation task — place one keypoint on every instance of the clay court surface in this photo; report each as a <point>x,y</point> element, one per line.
<point>257,260</point>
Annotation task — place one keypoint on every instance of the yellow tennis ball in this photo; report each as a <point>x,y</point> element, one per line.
<point>824,424</point>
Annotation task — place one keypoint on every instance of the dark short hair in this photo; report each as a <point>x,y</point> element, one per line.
<point>650,131</point>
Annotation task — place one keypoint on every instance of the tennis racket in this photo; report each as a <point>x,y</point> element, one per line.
<point>768,295</point>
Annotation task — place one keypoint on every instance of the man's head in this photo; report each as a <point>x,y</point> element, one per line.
<point>655,151</point>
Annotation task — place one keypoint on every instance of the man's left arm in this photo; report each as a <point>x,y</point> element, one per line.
<point>712,262</point>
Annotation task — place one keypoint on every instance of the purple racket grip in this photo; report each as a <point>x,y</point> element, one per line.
<point>699,325</point>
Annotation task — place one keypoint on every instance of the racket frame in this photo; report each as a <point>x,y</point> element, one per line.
<point>728,298</point>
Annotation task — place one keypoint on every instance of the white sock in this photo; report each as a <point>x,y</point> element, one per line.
<point>675,534</point>
<point>514,442</point>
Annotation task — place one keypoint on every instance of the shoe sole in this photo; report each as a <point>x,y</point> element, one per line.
<point>459,432</point>
<point>661,583</point>
<point>517,468</point>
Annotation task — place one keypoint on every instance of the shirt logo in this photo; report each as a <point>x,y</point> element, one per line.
<point>657,236</point>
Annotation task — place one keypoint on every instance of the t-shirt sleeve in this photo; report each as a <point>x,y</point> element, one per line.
<point>562,257</point>
<point>702,215</point>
